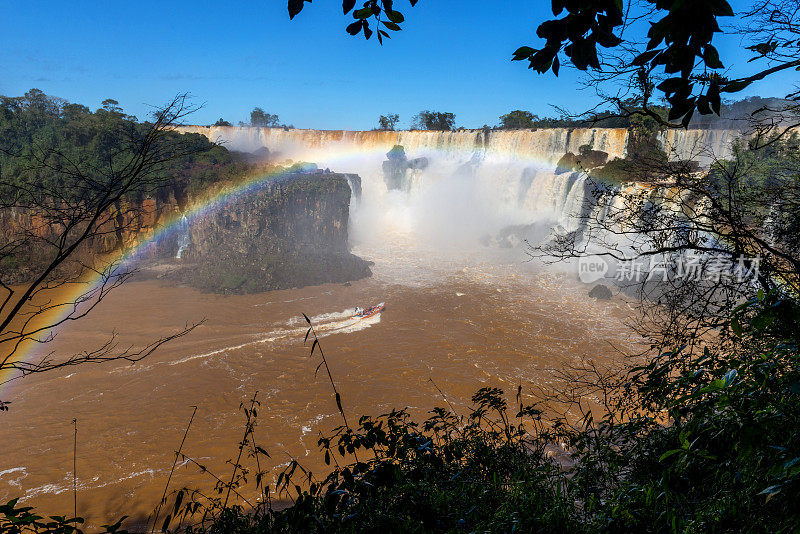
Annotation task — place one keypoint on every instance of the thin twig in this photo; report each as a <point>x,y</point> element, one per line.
<point>74,468</point>
<point>204,469</point>
<point>174,463</point>
<point>327,369</point>
<point>247,430</point>
<point>452,408</point>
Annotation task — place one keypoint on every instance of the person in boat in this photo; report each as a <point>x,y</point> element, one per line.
<point>359,311</point>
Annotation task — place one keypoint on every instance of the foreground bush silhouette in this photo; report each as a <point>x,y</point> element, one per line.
<point>479,472</point>
<point>19,519</point>
<point>688,443</point>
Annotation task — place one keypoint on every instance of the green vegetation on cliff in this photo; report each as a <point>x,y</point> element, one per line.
<point>291,231</point>
<point>60,161</point>
<point>42,136</point>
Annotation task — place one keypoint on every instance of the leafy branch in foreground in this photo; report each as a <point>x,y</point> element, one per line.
<point>669,45</point>
<point>23,519</point>
<point>381,12</point>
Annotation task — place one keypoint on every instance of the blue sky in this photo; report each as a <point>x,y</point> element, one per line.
<point>232,56</point>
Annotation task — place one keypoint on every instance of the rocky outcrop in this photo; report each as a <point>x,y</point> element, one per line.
<point>305,168</point>
<point>290,232</point>
<point>600,292</point>
<point>397,168</point>
<point>585,160</point>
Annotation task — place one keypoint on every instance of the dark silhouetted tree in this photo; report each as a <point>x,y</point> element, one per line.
<point>388,122</point>
<point>603,38</point>
<point>434,120</point>
<point>258,117</point>
<point>518,119</point>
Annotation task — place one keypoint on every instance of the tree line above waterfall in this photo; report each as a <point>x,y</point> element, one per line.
<point>734,114</point>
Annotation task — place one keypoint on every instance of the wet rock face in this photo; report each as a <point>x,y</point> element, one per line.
<point>394,168</point>
<point>354,181</point>
<point>397,168</point>
<point>306,211</point>
<point>585,160</point>
<point>292,232</point>
<point>122,226</point>
<point>600,292</point>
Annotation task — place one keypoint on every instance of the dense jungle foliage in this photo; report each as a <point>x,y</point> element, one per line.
<point>42,137</point>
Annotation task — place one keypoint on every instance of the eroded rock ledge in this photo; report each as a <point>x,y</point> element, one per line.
<point>290,232</point>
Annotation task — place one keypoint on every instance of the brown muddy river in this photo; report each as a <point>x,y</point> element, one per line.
<point>456,312</point>
<point>465,323</point>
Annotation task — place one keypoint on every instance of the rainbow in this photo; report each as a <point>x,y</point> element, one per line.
<point>87,289</point>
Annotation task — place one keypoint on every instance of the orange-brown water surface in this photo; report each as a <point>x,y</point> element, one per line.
<point>465,323</point>
<point>458,312</point>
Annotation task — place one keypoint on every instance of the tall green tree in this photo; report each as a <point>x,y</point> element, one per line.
<point>518,119</point>
<point>111,106</point>
<point>434,120</point>
<point>388,122</point>
<point>258,117</point>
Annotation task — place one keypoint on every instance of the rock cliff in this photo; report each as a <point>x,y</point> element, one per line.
<point>124,226</point>
<point>398,170</point>
<point>290,232</point>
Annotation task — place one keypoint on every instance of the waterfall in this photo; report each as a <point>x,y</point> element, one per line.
<point>703,146</point>
<point>473,184</point>
<point>184,236</point>
<point>699,144</point>
<point>549,143</point>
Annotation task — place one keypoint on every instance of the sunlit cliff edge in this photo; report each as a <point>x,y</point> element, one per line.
<point>541,144</point>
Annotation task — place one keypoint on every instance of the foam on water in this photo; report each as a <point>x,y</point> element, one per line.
<point>231,348</point>
<point>325,317</point>
<point>14,481</point>
<point>339,322</point>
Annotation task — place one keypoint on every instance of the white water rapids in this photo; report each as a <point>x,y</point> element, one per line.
<point>475,183</point>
